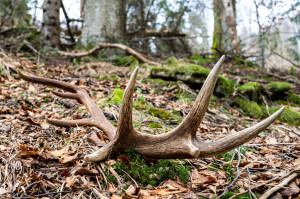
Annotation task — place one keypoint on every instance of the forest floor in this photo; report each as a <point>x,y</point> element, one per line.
<point>38,160</point>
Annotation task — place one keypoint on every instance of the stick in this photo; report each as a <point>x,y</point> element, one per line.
<point>262,184</point>
<point>108,45</point>
<point>270,144</point>
<point>236,178</point>
<point>284,183</point>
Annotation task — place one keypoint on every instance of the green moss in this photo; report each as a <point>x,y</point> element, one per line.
<point>126,61</point>
<point>289,116</point>
<point>140,106</point>
<point>164,115</point>
<point>172,61</point>
<point>294,98</point>
<point>251,90</point>
<point>154,125</point>
<point>117,96</point>
<point>224,87</point>
<point>198,59</point>
<point>194,76</point>
<point>251,109</point>
<point>279,86</point>
<point>144,172</point>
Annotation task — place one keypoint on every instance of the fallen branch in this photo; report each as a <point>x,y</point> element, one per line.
<point>270,144</point>
<point>284,183</point>
<point>107,45</point>
<point>260,185</point>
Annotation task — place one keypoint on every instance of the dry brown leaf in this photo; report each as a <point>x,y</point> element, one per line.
<point>59,153</point>
<point>124,159</point>
<point>27,154</point>
<point>131,192</point>
<point>111,188</point>
<point>95,139</point>
<point>71,180</point>
<point>114,196</point>
<point>200,179</point>
<point>66,158</point>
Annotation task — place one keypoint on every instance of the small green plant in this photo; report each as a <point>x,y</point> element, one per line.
<point>147,172</point>
<point>46,100</point>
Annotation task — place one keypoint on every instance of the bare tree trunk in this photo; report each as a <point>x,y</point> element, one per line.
<point>51,23</point>
<point>225,38</point>
<point>104,22</point>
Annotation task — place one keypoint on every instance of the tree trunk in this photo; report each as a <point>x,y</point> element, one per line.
<point>225,38</point>
<point>104,22</point>
<point>51,24</point>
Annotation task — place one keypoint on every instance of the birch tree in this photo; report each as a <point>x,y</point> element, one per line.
<point>104,21</point>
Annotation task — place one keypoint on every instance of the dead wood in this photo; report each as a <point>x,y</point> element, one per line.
<point>107,45</point>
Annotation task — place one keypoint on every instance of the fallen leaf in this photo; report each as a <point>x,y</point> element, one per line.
<point>71,180</point>
<point>199,179</point>
<point>95,139</point>
<point>123,158</point>
<point>111,188</point>
<point>59,153</point>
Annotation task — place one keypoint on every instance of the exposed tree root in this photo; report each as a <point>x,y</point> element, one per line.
<point>107,45</point>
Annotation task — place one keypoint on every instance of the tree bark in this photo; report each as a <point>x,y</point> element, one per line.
<point>104,22</point>
<point>51,23</point>
<point>225,37</point>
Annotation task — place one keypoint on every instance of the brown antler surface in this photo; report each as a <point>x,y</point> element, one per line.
<point>97,117</point>
<point>181,142</point>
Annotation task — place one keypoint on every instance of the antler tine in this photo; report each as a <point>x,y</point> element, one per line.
<point>192,121</point>
<point>237,139</point>
<point>48,82</point>
<point>97,117</point>
<point>125,129</point>
<point>125,116</point>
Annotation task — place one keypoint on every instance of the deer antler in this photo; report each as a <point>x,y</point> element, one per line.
<point>97,117</point>
<point>181,142</point>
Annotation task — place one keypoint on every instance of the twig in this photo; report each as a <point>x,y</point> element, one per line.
<point>270,144</point>
<point>108,45</point>
<point>284,183</point>
<point>236,178</point>
<point>281,56</point>
<point>45,194</point>
<point>68,21</point>
<point>260,185</point>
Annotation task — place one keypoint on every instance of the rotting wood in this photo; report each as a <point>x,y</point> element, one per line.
<point>108,45</point>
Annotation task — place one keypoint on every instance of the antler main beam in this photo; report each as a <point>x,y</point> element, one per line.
<point>97,117</point>
<point>181,142</point>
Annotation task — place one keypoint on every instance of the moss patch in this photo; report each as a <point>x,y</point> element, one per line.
<point>279,86</point>
<point>251,109</point>
<point>172,61</point>
<point>194,76</point>
<point>126,61</point>
<point>117,96</point>
<point>294,98</point>
<point>251,90</point>
<point>198,59</point>
<point>165,115</point>
<point>289,116</point>
<point>154,125</point>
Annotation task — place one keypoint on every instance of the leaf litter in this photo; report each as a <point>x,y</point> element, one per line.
<point>41,160</point>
